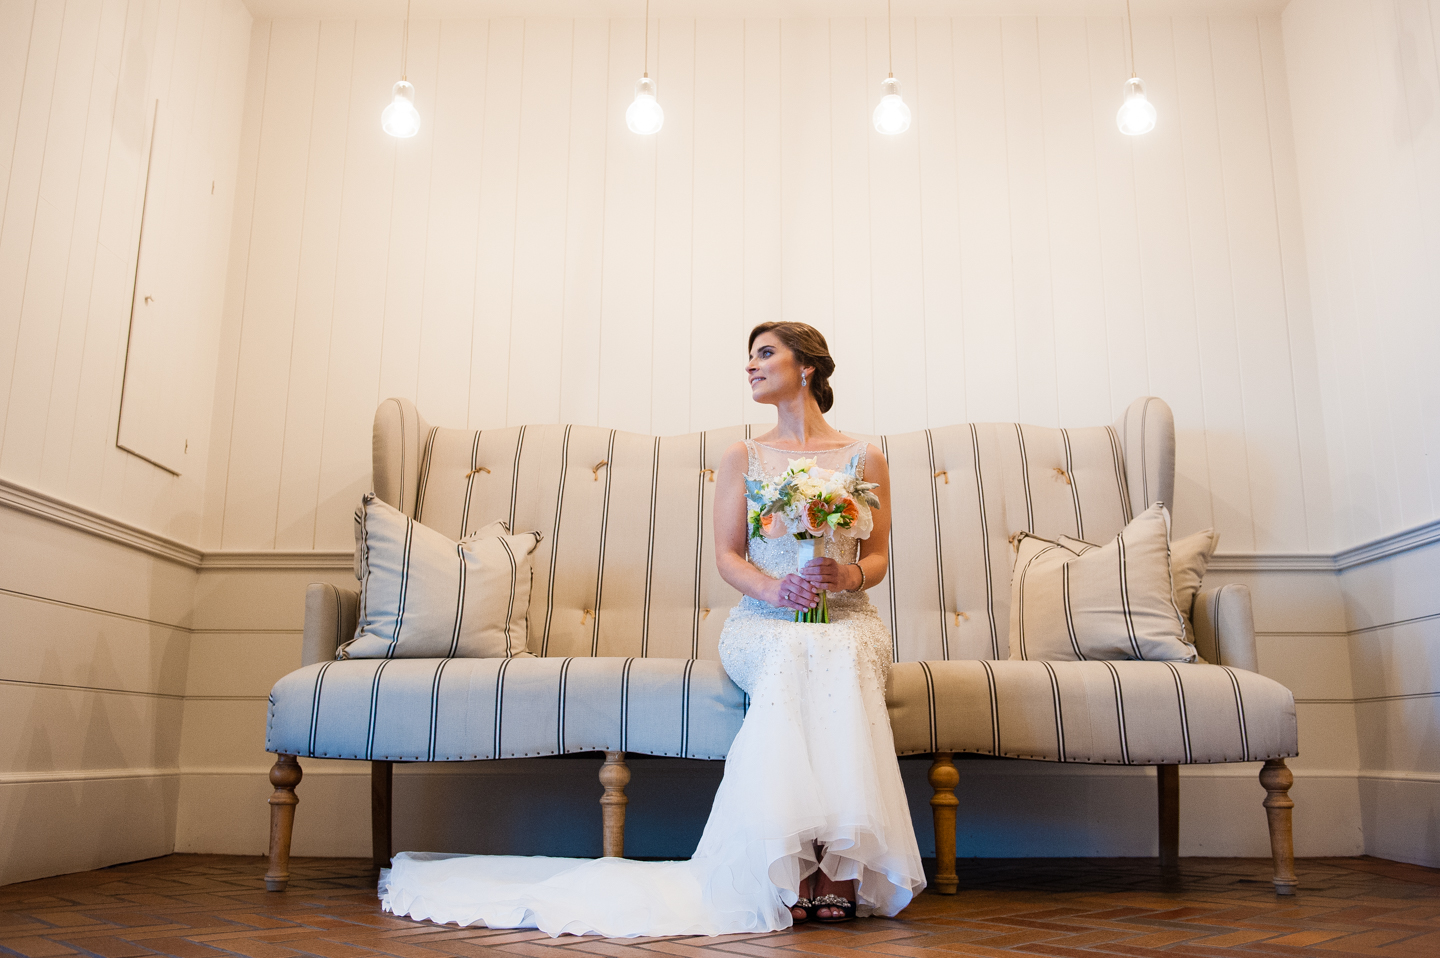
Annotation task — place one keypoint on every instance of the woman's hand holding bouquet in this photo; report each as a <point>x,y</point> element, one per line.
<point>811,504</point>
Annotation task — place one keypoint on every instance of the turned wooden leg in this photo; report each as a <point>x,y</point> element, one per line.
<point>1167,794</point>
<point>614,775</point>
<point>943,779</point>
<point>1277,780</point>
<point>381,775</point>
<point>284,775</point>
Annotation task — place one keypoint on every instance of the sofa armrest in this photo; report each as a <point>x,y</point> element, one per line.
<point>330,617</point>
<point>1225,627</point>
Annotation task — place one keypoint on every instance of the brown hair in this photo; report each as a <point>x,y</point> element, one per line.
<point>809,347</point>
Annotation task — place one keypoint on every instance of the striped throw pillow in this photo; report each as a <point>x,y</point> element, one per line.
<point>1076,601</point>
<point>424,595</point>
<point>1189,558</point>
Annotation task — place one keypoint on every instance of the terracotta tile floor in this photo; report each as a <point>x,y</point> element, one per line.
<point>214,906</point>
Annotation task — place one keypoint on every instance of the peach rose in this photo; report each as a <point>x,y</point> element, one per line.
<point>773,526</point>
<point>815,514</point>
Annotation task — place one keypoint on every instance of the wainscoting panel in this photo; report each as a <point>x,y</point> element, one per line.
<point>92,694</point>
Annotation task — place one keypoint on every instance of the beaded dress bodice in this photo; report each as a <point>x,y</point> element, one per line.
<point>777,557</point>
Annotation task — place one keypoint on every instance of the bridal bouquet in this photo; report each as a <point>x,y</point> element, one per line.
<point>810,503</point>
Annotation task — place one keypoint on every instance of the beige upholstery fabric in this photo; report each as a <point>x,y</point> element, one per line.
<point>330,617</point>
<point>1127,713</point>
<point>636,600</point>
<point>424,595</point>
<point>1071,600</point>
<point>1189,558</point>
<point>1225,627</point>
<point>399,445</point>
<point>455,710</point>
<point>1147,444</point>
<point>628,543</point>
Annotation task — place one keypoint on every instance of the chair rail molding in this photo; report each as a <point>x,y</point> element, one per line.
<point>22,498</point>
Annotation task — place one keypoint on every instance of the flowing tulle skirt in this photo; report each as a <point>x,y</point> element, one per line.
<point>814,762</point>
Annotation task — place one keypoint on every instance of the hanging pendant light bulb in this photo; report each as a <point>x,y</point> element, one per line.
<point>400,118</point>
<point>644,115</point>
<point>892,116</point>
<point>1136,114</point>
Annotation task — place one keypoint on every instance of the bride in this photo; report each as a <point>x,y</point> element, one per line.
<point>810,821</point>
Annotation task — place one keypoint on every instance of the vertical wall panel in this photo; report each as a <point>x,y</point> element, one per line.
<point>591,127</point>
<point>1362,88</point>
<point>1124,281</point>
<point>457,125</point>
<point>674,232</point>
<point>1077,267</point>
<point>541,202</point>
<point>406,259</point>
<point>1029,221</point>
<point>1276,495</point>
<point>937,134</point>
<point>1166,291</point>
<point>22,200</point>
<point>763,241</point>
<point>851,100</point>
<point>717,324</point>
<point>60,419</point>
<point>271,284</point>
<point>494,269</point>
<point>808,278</point>
<point>1214,298</point>
<point>353,371</point>
<point>992,366</point>
<point>897,279</point>
<point>627,306</point>
<point>315,292</point>
<point>52,245</point>
<point>1012,256</point>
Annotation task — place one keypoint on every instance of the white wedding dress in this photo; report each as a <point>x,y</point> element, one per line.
<point>814,761</point>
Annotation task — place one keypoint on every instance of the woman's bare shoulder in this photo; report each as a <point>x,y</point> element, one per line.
<point>736,456</point>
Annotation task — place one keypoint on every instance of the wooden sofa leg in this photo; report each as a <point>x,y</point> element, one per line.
<point>381,776</point>
<point>284,775</point>
<point>1277,780</point>
<point>614,775</point>
<point>1167,788</point>
<point>943,779</point>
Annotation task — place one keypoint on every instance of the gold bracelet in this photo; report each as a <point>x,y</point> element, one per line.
<point>861,586</point>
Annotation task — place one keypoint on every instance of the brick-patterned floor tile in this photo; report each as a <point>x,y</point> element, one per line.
<point>215,906</point>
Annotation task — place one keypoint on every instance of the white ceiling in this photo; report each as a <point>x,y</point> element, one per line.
<point>483,9</point>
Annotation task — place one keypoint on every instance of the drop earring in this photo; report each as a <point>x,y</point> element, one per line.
<point>802,379</point>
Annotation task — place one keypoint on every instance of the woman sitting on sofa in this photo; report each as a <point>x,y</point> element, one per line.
<point>810,821</point>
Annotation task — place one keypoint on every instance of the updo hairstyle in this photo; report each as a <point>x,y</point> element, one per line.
<point>809,347</point>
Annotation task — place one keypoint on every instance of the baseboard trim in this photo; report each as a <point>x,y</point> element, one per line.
<point>69,776</point>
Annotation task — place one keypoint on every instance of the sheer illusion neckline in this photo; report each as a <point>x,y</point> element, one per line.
<point>764,445</point>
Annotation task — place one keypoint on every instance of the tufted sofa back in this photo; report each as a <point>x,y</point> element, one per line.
<point>627,566</point>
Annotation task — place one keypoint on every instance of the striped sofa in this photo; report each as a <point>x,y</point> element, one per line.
<point>627,607</point>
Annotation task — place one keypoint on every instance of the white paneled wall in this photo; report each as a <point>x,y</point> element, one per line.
<point>1366,87</point>
<point>526,259</point>
<point>78,86</point>
<point>96,634</point>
